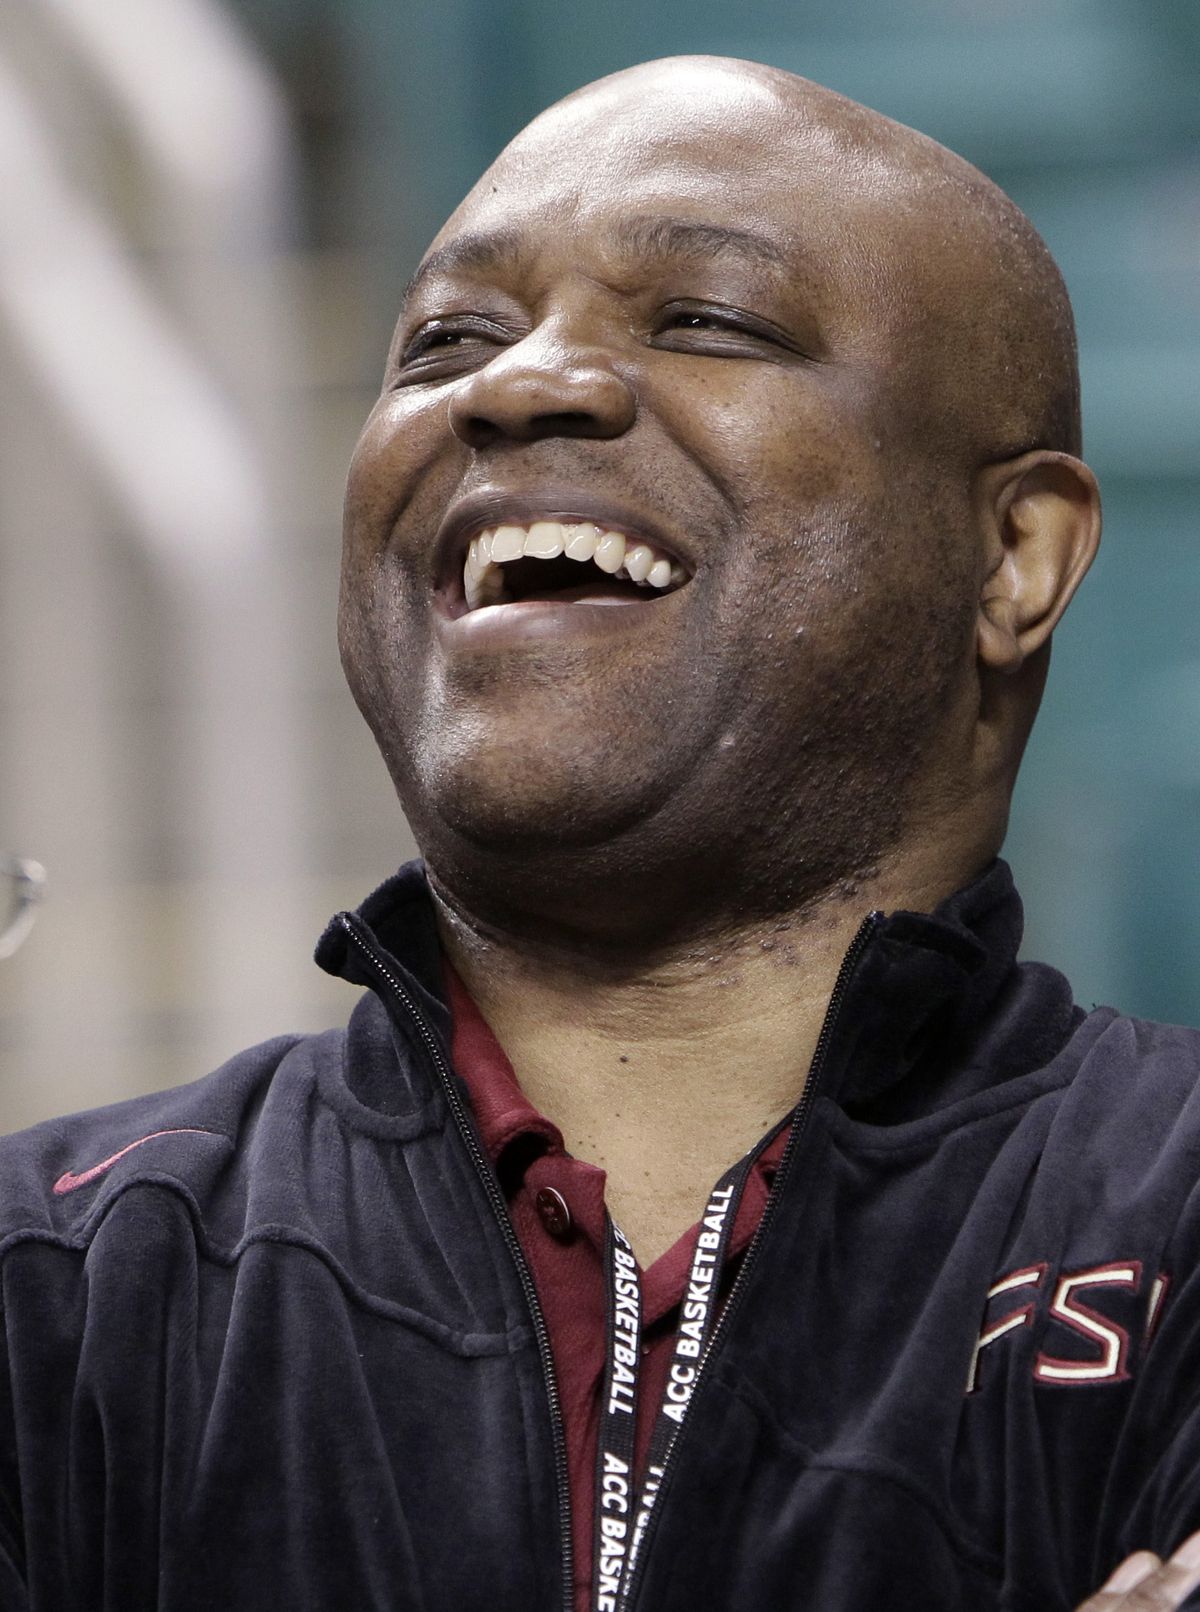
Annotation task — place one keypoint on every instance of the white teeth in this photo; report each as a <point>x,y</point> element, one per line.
<point>508,544</point>
<point>544,540</point>
<point>610,552</point>
<point>638,560</point>
<point>581,539</point>
<point>483,583</point>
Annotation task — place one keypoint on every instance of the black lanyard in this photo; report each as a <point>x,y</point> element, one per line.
<point>623,1512</point>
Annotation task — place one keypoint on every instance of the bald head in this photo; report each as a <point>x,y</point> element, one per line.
<point>985,358</point>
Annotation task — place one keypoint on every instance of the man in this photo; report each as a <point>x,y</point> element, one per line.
<point>702,557</point>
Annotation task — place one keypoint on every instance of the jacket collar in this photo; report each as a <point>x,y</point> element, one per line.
<point>934,1007</point>
<point>398,919</point>
<point>938,1007</point>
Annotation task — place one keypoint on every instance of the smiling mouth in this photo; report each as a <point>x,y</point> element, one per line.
<point>565,562</point>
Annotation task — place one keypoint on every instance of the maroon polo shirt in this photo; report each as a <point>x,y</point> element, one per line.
<point>557,1206</point>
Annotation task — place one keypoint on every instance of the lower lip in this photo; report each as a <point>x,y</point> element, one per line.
<point>527,619</point>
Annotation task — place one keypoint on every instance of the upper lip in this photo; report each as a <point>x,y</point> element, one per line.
<point>494,506</point>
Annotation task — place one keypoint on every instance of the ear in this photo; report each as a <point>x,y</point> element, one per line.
<point>1040,519</point>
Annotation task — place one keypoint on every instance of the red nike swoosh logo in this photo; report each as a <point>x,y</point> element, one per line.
<point>67,1182</point>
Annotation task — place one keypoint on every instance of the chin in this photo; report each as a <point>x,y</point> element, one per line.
<point>515,801</point>
<point>504,806</point>
<point>536,775</point>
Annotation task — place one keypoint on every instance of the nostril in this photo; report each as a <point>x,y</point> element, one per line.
<point>477,430</point>
<point>565,423</point>
<point>481,430</point>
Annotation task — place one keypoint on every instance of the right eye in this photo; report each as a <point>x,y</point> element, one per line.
<point>444,344</point>
<point>426,340</point>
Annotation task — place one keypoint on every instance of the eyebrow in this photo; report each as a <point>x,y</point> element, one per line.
<point>658,238</point>
<point>465,252</point>
<point>648,239</point>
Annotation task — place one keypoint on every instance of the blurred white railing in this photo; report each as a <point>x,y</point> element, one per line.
<point>158,352</point>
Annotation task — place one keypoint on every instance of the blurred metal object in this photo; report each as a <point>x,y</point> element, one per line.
<point>24,887</point>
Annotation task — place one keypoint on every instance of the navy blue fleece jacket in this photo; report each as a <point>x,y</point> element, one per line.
<point>267,1340</point>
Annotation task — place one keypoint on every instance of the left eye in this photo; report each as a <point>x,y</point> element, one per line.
<point>719,332</point>
<point>724,332</point>
<point>690,319</point>
<point>696,321</point>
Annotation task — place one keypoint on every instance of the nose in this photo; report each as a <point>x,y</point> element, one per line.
<point>542,386</point>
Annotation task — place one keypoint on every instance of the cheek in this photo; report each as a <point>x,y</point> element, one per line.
<point>789,448</point>
<point>394,463</point>
<point>370,485</point>
<point>368,649</point>
<point>802,470</point>
<point>397,488</point>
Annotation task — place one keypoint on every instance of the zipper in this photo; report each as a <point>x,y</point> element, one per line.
<point>795,1136</point>
<point>495,1198</point>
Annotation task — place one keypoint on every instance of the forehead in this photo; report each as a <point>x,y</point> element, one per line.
<point>610,175</point>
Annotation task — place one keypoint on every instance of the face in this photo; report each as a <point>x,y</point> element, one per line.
<point>655,354</point>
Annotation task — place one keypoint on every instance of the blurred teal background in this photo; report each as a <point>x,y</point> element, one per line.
<point>1088,113</point>
<point>212,207</point>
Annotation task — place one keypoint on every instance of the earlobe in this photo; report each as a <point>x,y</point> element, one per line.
<point>1040,518</point>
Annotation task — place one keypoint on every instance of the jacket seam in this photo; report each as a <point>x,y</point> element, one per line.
<point>468,1344</point>
<point>428,1118</point>
<point>850,1131</point>
<point>882,1469</point>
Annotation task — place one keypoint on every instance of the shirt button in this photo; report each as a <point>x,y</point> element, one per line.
<point>554,1211</point>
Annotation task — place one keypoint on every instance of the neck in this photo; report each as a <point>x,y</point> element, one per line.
<point>663,1069</point>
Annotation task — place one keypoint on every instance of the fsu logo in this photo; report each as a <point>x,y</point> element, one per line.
<point>1101,1350</point>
